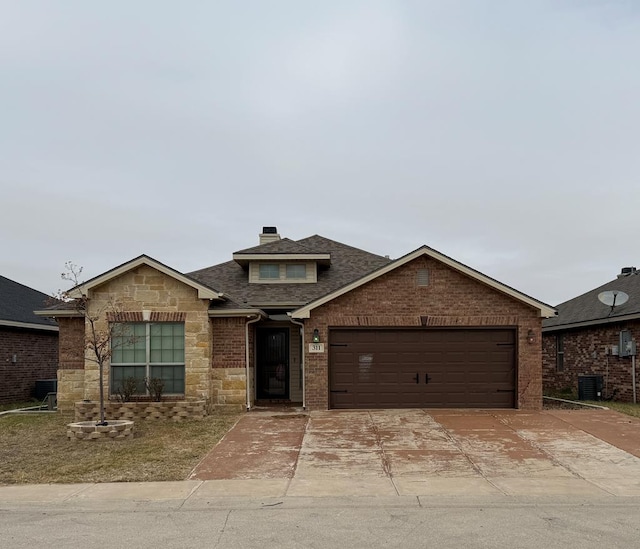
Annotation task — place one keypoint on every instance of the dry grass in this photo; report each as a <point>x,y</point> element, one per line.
<point>34,449</point>
<point>16,405</point>
<point>622,407</point>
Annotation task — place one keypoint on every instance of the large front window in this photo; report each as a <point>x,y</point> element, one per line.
<point>144,350</point>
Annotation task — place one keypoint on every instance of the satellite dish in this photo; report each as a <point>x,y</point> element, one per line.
<point>613,298</point>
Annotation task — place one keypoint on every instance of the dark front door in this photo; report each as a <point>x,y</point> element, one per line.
<point>272,369</point>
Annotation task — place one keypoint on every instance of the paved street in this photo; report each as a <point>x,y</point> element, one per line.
<point>407,522</point>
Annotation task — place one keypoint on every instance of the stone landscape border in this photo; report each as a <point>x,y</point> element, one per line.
<point>175,410</point>
<point>88,430</point>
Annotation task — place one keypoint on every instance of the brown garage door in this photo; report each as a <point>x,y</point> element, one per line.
<point>439,368</point>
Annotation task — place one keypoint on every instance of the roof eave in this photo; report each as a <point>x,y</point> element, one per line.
<point>29,325</point>
<point>54,313</point>
<point>236,313</point>
<point>244,259</point>
<point>589,323</point>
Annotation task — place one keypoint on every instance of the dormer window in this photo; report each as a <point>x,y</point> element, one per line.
<point>296,271</point>
<point>284,272</point>
<point>269,271</point>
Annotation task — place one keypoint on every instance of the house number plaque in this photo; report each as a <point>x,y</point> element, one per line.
<point>316,347</point>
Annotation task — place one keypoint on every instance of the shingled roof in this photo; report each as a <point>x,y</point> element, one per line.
<point>17,303</point>
<point>347,264</point>
<point>586,309</point>
<point>282,246</point>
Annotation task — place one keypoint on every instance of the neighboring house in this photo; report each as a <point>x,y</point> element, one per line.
<point>582,344</point>
<point>28,343</point>
<point>317,323</point>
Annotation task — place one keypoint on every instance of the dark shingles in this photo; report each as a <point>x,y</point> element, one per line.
<point>283,246</point>
<point>347,264</point>
<point>587,307</point>
<point>17,303</point>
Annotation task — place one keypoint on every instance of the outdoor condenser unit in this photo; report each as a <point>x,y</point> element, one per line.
<point>590,387</point>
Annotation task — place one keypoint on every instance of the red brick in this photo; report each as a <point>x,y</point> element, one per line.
<point>36,354</point>
<point>451,299</point>
<point>585,353</point>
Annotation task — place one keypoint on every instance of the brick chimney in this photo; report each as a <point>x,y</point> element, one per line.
<point>269,234</point>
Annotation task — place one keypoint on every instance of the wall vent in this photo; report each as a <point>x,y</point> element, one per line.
<point>422,277</point>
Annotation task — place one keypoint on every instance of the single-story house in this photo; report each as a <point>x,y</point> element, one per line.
<point>28,343</point>
<point>588,348</point>
<point>317,323</point>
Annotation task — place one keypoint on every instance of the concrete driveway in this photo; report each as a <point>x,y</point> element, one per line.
<point>428,452</point>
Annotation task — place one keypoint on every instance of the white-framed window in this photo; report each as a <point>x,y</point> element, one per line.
<point>269,271</point>
<point>285,272</point>
<point>148,350</point>
<point>296,271</point>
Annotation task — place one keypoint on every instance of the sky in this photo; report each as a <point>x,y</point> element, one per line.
<point>502,133</point>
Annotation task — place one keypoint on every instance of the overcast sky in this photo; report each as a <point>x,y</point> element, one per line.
<point>502,133</point>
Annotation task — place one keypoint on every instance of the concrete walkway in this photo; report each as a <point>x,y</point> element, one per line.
<point>385,456</point>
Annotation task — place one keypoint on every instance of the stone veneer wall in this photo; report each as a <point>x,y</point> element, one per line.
<point>451,299</point>
<point>587,351</point>
<point>139,290</point>
<point>176,410</point>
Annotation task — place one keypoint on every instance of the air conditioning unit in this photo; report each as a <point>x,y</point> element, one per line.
<point>590,387</point>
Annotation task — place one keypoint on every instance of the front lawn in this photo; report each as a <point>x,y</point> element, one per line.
<point>622,407</point>
<point>627,408</point>
<point>34,449</point>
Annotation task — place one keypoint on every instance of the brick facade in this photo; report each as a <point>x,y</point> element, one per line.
<point>229,374</point>
<point>587,351</point>
<point>228,342</point>
<point>450,299</point>
<point>215,351</point>
<point>36,353</point>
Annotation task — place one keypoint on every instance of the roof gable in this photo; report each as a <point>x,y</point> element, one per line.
<point>204,291</point>
<point>545,310</point>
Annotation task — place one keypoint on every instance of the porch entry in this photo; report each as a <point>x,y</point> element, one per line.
<point>272,368</point>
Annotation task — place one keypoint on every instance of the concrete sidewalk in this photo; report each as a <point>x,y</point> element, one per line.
<point>253,494</point>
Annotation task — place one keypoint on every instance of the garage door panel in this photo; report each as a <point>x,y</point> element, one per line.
<point>378,368</point>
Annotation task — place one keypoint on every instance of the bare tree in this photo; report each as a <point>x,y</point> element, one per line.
<point>98,342</point>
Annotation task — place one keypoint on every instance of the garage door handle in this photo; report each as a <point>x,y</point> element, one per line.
<point>417,378</point>
<point>341,391</point>
<point>427,379</point>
